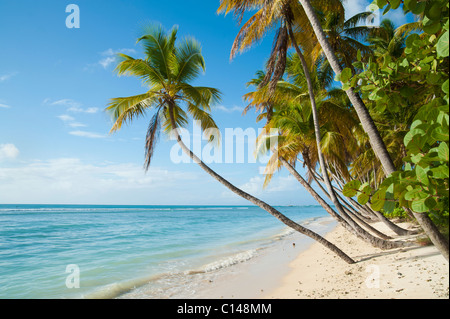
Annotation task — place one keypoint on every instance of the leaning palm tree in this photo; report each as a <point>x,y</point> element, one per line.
<point>291,117</point>
<point>346,37</point>
<point>288,15</point>
<point>167,69</point>
<point>370,128</point>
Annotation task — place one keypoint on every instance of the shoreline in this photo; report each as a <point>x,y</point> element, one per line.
<point>254,278</point>
<point>418,272</point>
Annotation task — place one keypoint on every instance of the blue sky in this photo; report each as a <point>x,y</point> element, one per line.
<point>55,82</point>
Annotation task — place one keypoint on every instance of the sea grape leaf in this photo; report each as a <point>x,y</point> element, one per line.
<point>440,134</point>
<point>423,205</point>
<point>421,174</point>
<point>410,4</point>
<point>419,8</point>
<point>433,10</point>
<point>443,151</point>
<point>389,204</point>
<point>442,45</point>
<point>378,201</point>
<point>364,196</point>
<point>445,87</point>
<point>442,171</point>
<point>346,74</point>
<point>395,3</point>
<point>380,3</point>
<point>416,143</point>
<point>415,193</point>
<point>351,188</point>
<point>430,26</point>
<point>410,39</point>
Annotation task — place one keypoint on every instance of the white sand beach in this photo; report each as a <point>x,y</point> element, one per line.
<point>418,272</point>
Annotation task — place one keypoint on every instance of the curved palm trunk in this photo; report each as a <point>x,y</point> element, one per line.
<point>352,214</point>
<point>370,128</point>
<point>358,230</point>
<point>311,190</point>
<point>274,212</point>
<point>366,120</point>
<point>320,200</point>
<point>380,217</point>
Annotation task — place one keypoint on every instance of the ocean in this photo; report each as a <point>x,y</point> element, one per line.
<point>92,251</point>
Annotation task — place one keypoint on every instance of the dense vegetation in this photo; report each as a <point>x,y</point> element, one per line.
<point>400,76</point>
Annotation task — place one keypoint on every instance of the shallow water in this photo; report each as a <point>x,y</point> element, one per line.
<point>80,251</point>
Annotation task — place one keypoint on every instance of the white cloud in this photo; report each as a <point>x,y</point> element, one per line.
<point>228,109</point>
<point>90,110</point>
<point>278,184</point>
<point>70,121</point>
<point>8,151</point>
<point>66,118</point>
<point>353,7</point>
<point>4,106</point>
<point>63,102</point>
<point>71,180</point>
<point>87,134</point>
<point>111,52</point>
<point>6,77</point>
<point>396,16</point>
<point>71,105</point>
<point>75,107</point>
<point>77,124</point>
<point>109,58</point>
<point>107,62</point>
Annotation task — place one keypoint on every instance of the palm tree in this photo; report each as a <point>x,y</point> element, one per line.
<point>385,40</point>
<point>288,15</point>
<point>291,115</point>
<point>370,128</point>
<point>167,70</point>
<point>344,36</point>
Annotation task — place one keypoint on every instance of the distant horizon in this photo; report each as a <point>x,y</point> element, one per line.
<point>156,205</point>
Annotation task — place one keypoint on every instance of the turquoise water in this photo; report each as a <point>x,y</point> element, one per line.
<point>74,251</point>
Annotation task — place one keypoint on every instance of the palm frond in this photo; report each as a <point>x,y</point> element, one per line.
<point>190,61</point>
<point>252,32</point>
<point>159,49</point>
<point>154,128</point>
<point>356,19</point>
<point>207,123</point>
<point>181,119</point>
<point>239,7</point>
<point>407,28</point>
<point>202,96</point>
<point>136,67</point>
<point>125,109</point>
<point>358,32</point>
